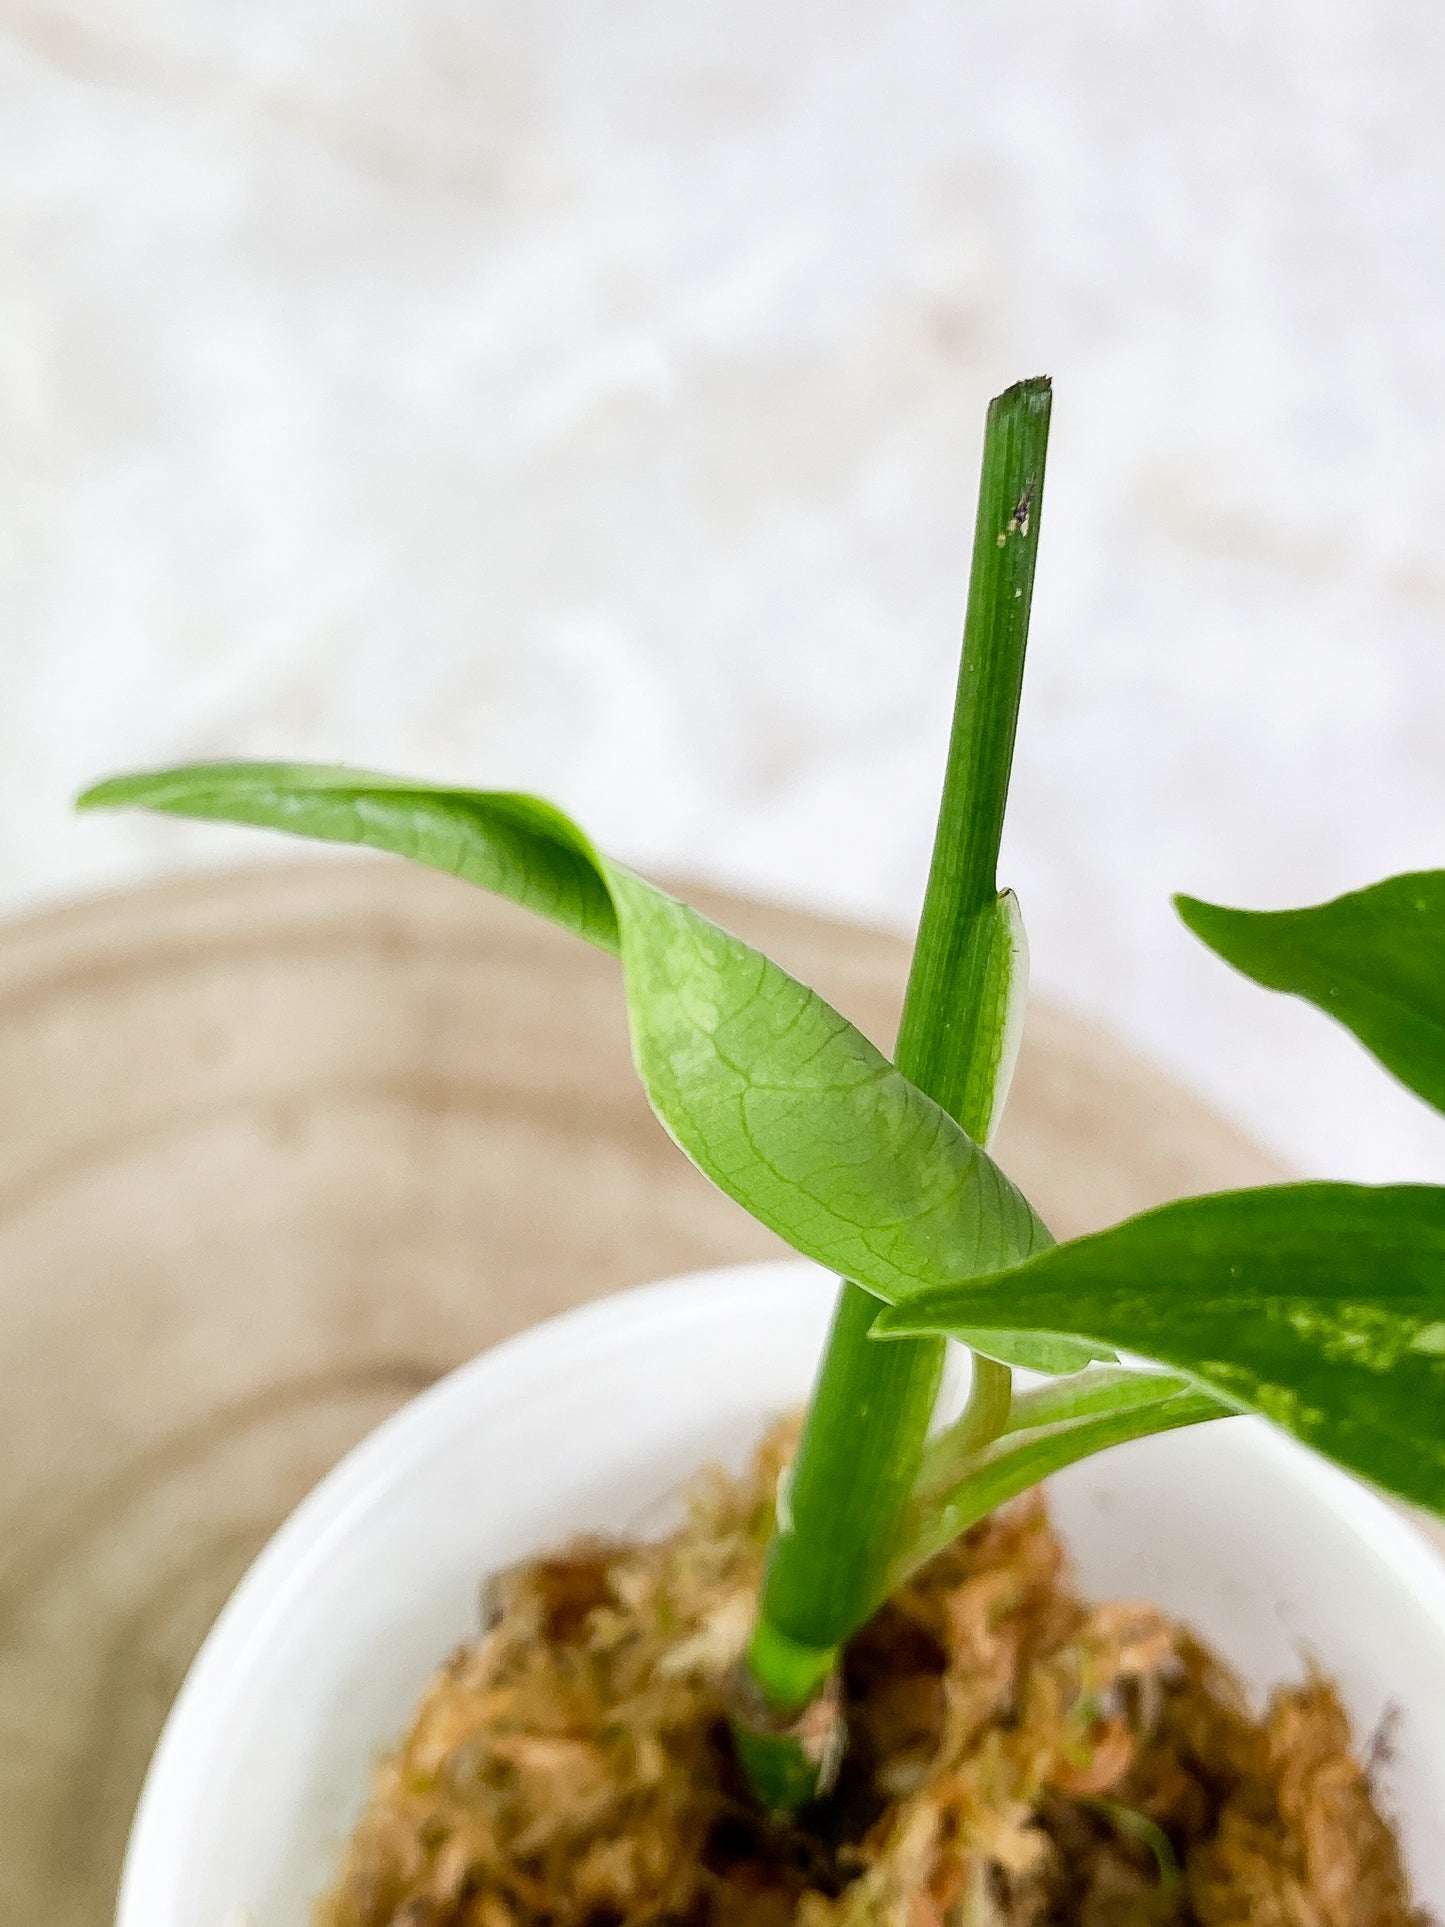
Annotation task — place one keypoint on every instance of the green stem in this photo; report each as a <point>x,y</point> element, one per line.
<point>868,1420</point>
<point>961,1464</point>
<point>986,1417</point>
<point>1020,1460</point>
<point>1091,1394</point>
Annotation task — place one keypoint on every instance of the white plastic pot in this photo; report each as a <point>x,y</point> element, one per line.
<point>593,1421</point>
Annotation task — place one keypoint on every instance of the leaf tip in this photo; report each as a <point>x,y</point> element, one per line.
<point>104,795</point>
<point>1201,919</point>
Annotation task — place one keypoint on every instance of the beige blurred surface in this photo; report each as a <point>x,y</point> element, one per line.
<point>278,1148</point>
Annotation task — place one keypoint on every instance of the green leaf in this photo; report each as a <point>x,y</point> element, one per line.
<point>1374,960</point>
<point>517,846</point>
<point>1320,1305</point>
<point>773,1094</point>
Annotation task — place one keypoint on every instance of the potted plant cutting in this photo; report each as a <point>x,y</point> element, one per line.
<point>855,1686</point>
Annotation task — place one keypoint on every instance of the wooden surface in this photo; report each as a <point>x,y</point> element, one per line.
<point>278,1148</point>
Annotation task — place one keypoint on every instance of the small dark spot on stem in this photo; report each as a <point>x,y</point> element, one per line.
<point>1018,522</point>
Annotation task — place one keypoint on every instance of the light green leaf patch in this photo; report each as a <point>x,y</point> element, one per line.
<point>768,1089</point>
<point>1374,960</point>
<point>1319,1305</point>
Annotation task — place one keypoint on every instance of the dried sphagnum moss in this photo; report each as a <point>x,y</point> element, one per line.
<point>1017,1759</point>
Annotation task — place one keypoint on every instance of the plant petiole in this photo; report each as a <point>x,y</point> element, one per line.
<point>864,1437</point>
<point>1020,1459</point>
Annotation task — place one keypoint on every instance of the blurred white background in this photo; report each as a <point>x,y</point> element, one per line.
<point>587,397</point>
